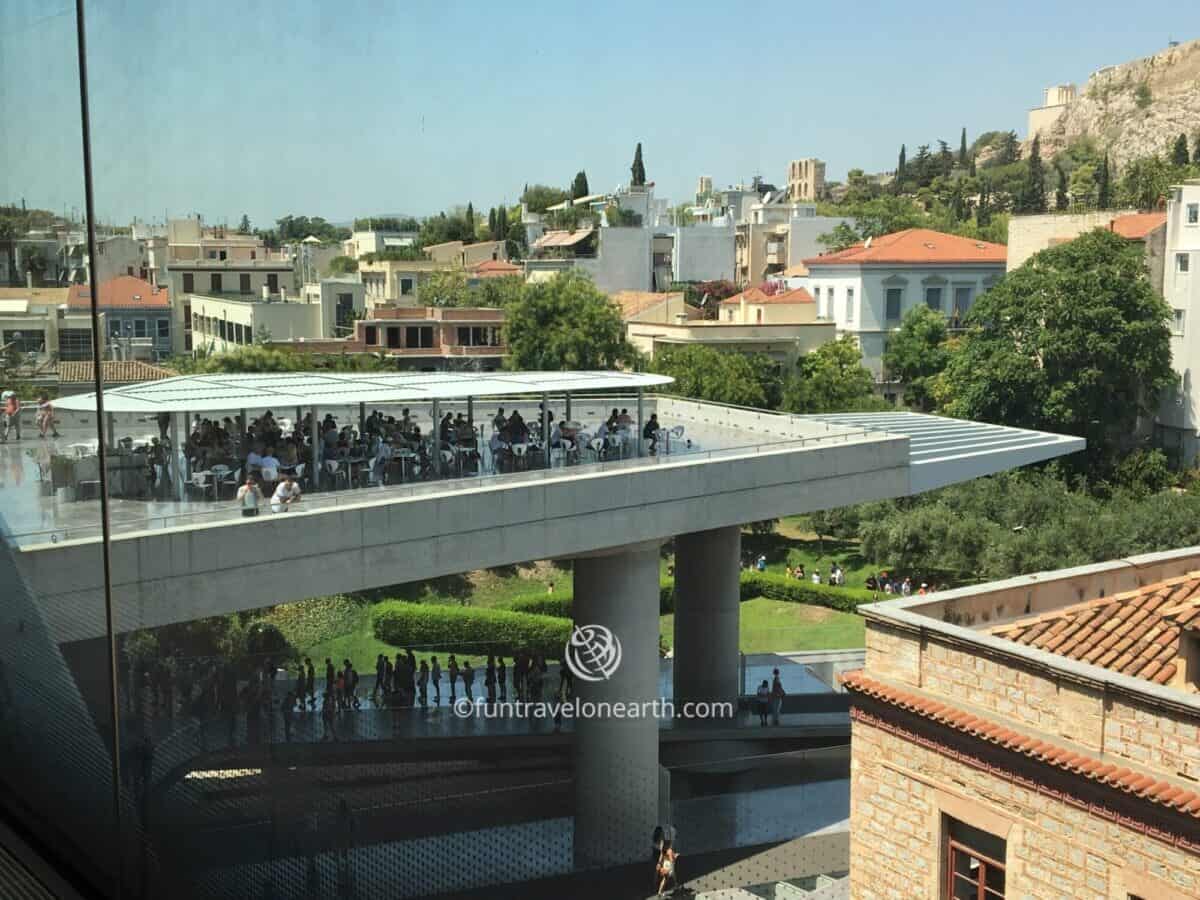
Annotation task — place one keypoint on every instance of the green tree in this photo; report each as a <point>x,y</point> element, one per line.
<point>1008,149</point>
<point>469,218</point>
<point>1074,341</point>
<point>1142,96</point>
<point>244,225</point>
<point>962,148</point>
<point>579,187</point>
<point>540,196</point>
<point>901,171</point>
<point>918,353</point>
<point>830,379</point>
<point>497,293</point>
<point>343,265</point>
<point>565,322</point>
<point>840,238</point>
<point>1033,199</point>
<point>638,170</point>
<point>1179,153</point>
<point>33,262</point>
<point>493,234</point>
<point>1061,200</point>
<point>1104,185</point>
<point>445,287</point>
<point>719,376</point>
<point>1144,182</point>
<point>1083,186</point>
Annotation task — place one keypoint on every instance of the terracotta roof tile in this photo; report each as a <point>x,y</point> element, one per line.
<point>122,292</point>
<point>112,372</point>
<point>1137,226</point>
<point>757,295</point>
<point>634,303</point>
<point>1136,633</point>
<point>914,245</point>
<point>496,268</point>
<point>1123,778</point>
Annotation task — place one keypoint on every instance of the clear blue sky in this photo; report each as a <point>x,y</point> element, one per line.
<point>349,108</point>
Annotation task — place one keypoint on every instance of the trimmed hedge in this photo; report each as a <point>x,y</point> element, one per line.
<point>794,590</point>
<point>560,605</point>
<point>485,631</point>
<point>753,584</point>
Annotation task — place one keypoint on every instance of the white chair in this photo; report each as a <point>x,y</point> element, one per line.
<point>219,472</point>
<point>234,480</point>
<point>677,431</point>
<point>519,452</point>
<point>200,482</point>
<point>597,445</point>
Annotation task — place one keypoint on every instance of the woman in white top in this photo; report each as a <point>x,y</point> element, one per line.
<point>249,495</point>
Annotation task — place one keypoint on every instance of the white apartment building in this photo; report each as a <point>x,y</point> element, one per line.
<point>1179,414</point>
<point>238,279</point>
<point>866,289</point>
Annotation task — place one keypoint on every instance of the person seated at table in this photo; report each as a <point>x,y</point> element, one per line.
<point>625,420</point>
<point>464,432</point>
<point>270,468</point>
<point>650,432</point>
<point>406,422</point>
<point>499,422</point>
<point>287,494</point>
<point>613,420</point>
<point>254,459</point>
<point>288,457</point>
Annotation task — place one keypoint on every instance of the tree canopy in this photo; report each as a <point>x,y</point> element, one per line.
<point>579,187</point>
<point>564,323</point>
<point>343,265</point>
<point>918,353</point>
<point>539,196</point>
<point>637,171</point>
<point>1075,341</point>
<point>831,379</point>
<point>706,373</point>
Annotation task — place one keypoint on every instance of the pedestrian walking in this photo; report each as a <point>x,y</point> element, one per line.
<point>468,679</point>
<point>452,671</point>
<point>777,695</point>
<point>501,678</point>
<point>423,682</point>
<point>435,675</point>
<point>763,701</point>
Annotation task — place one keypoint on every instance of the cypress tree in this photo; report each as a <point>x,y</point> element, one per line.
<point>470,219</point>
<point>962,148</point>
<point>502,223</point>
<point>1061,201</point>
<point>492,223</point>
<point>971,166</point>
<point>1034,200</point>
<point>579,187</point>
<point>638,169</point>
<point>983,215</point>
<point>1179,155</point>
<point>1103,185</point>
<point>1196,148</point>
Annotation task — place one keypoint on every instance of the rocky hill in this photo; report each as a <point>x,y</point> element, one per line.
<point>1137,108</point>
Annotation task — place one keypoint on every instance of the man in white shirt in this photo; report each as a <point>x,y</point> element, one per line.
<point>248,496</point>
<point>286,495</point>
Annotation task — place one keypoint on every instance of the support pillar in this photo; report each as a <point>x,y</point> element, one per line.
<point>362,420</point>
<point>567,410</point>
<point>707,567</point>
<point>111,430</point>
<point>545,431</point>
<point>435,439</point>
<point>641,421</point>
<point>615,760</point>
<point>174,463</point>
<point>315,456</point>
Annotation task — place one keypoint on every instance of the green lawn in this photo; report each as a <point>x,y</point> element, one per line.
<point>769,626</point>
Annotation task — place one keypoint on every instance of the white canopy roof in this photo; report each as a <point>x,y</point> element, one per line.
<point>224,393</point>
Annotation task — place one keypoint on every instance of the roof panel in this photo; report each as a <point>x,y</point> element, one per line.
<point>219,393</point>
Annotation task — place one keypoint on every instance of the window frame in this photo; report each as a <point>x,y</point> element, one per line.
<point>899,316</point>
<point>1178,321</point>
<point>1192,214</point>
<point>1183,263</point>
<point>986,864</point>
<point>934,287</point>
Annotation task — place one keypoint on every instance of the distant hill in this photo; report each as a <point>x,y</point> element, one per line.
<point>1135,109</point>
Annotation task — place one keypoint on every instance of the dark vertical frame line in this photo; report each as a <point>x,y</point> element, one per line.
<point>106,537</point>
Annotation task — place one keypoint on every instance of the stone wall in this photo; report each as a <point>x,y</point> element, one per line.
<point>901,791</point>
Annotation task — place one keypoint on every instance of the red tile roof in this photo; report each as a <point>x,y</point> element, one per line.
<point>122,292</point>
<point>496,268</point>
<point>635,303</point>
<point>914,245</point>
<point>1136,633</point>
<point>1116,776</point>
<point>757,295</point>
<point>1137,226</point>
<point>112,372</point>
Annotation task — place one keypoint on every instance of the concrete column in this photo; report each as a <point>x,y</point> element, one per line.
<point>362,420</point>
<point>174,467</point>
<point>315,457</point>
<point>435,438</point>
<point>567,410</point>
<point>615,760</point>
<point>111,429</point>
<point>545,431</point>
<point>641,423</point>
<point>707,565</point>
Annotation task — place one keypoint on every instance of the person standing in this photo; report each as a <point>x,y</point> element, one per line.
<point>762,701</point>
<point>249,495</point>
<point>423,683</point>
<point>452,671</point>
<point>502,678</point>
<point>380,676</point>
<point>468,679</point>
<point>777,695</point>
<point>45,415</point>
<point>10,415</point>
<point>435,676</point>
<point>312,681</point>
<point>489,680</point>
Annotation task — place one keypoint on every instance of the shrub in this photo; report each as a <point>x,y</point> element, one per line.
<point>265,639</point>
<point>317,620</point>
<point>486,631</point>
<point>792,590</point>
<point>560,605</point>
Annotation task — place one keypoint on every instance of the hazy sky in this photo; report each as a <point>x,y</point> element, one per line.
<point>348,108</point>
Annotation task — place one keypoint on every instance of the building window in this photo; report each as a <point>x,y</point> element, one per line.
<point>933,298</point>
<point>962,300</point>
<point>25,340</point>
<point>75,344</point>
<point>1193,213</point>
<point>371,335</point>
<point>418,336</point>
<point>129,270</point>
<point>406,286</point>
<point>892,304</point>
<point>393,339</point>
<point>1177,322</point>
<point>139,328</point>
<point>215,282</point>
<point>189,282</point>
<point>820,306</point>
<point>114,328</point>
<point>272,283</point>
<point>244,282</point>
<point>164,329</point>
<point>1182,262</point>
<point>974,863</point>
<point>849,304</point>
<point>758,316</point>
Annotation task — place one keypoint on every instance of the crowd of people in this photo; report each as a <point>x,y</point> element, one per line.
<point>835,576</point>
<point>10,416</point>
